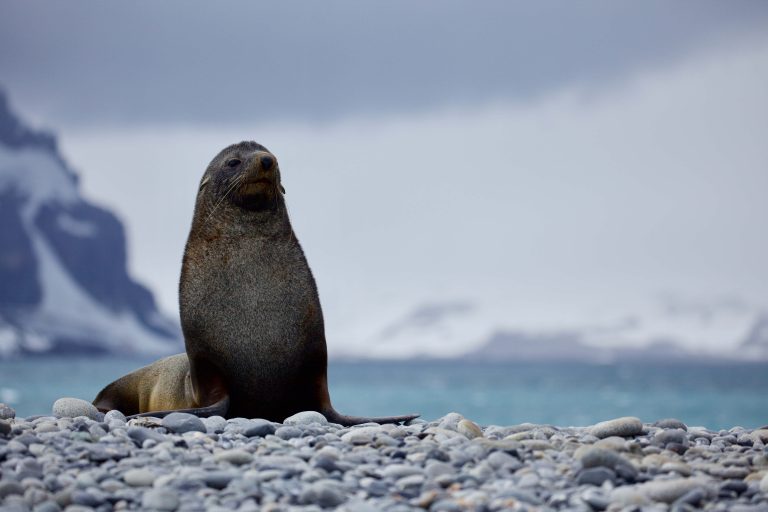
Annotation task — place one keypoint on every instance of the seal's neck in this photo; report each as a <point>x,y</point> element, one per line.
<point>232,221</point>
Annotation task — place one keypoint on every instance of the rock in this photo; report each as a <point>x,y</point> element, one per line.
<point>397,471</point>
<point>667,491</point>
<point>325,493</point>
<point>665,437</point>
<point>258,428</point>
<point>114,415</point>
<point>141,434</point>
<point>288,432</point>
<point>5,428</point>
<point>670,423</point>
<point>160,499</point>
<point>693,497</point>
<point>8,487</point>
<point>764,484</point>
<point>6,412</point>
<point>74,407</point>
<point>624,427</point>
<point>219,479</point>
<point>139,477</point>
<point>306,418</point>
<point>361,435</point>
<point>591,457</point>
<point>596,476</point>
<point>180,422</point>
<point>450,421</point>
<point>469,429</point>
<point>236,457</point>
<point>214,424</point>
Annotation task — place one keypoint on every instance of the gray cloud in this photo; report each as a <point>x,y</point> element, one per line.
<point>177,61</point>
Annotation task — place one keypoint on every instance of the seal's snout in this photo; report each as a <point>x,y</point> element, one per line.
<point>266,162</point>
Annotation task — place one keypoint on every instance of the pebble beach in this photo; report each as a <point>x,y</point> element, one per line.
<point>77,459</point>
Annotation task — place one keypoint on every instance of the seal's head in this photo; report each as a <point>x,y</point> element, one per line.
<point>245,175</point>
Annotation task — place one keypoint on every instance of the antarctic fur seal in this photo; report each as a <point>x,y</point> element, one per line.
<point>250,311</point>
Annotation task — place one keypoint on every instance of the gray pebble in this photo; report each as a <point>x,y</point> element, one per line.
<point>306,418</point>
<point>288,432</point>
<point>596,476</point>
<point>469,429</point>
<point>214,424</point>
<point>139,477</point>
<point>181,422</point>
<point>236,457</point>
<point>160,499</point>
<point>6,412</point>
<point>141,434</point>
<point>219,479</point>
<point>670,423</point>
<point>325,493</point>
<point>47,506</point>
<point>114,415</point>
<point>8,487</point>
<point>74,407</point>
<point>623,427</point>
<point>258,428</point>
<point>5,428</point>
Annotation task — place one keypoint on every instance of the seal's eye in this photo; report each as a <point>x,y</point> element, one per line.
<point>233,162</point>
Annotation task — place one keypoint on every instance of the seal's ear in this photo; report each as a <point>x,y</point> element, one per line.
<point>282,188</point>
<point>205,181</point>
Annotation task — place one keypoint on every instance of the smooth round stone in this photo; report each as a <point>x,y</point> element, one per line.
<point>219,479</point>
<point>88,498</point>
<point>215,424</point>
<point>114,415</point>
<point>361,435</point>
<point>450,421</point>
<point>668,491</point>
<point>46,426</point>
<point>670,423</point>
<point>288,432</point>
<point>325,493</point>
<point>398,471</point>
<point>591,457</point>
<point>236,457</point>
<point>258,428</point>
<point>74,407</point>
<point>596,476</point>
<point>764,484</point>
<point>306,418</point>
<point>139,477</point>
<point>6,412</point>
<point>623,427</point>
<point>469,429</point>
<point>181,422</point>
<point>141,434</point>
<point>47,506</point>
<point>8,487</point>
<point>160,499</point>
<point>675,435</point>
<point>5,428</point>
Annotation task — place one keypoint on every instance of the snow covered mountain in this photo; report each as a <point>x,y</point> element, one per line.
<point>64,286</point>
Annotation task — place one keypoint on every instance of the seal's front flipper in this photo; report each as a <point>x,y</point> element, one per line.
<point>220,408</point>
<point>334,417</point>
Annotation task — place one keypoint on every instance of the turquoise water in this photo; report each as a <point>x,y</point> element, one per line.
<point>715,396</point>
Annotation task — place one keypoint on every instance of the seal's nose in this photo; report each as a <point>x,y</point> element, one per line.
<point>267,162</point>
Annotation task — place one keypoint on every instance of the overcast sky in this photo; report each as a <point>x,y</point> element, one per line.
<point>598,167</point>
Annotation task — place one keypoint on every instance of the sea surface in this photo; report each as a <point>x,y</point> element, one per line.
<point>564,394</point>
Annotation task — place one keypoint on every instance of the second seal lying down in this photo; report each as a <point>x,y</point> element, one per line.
<point>250,312</point>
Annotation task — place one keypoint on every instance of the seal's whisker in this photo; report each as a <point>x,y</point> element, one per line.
<point>236,182</point>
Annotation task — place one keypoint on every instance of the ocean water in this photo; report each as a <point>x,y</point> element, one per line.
<point>565,394</point>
